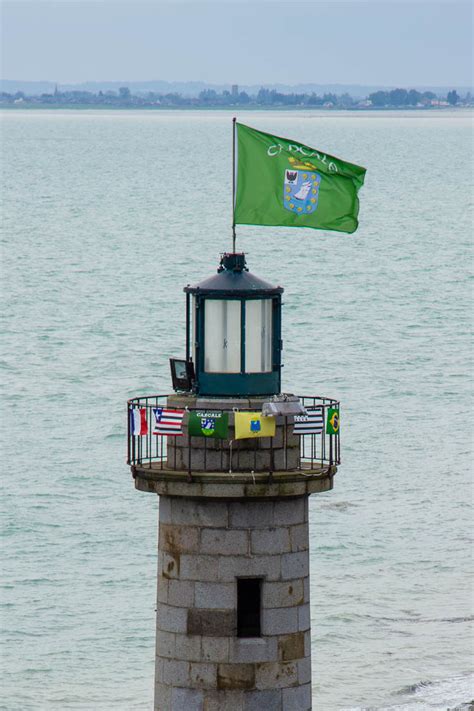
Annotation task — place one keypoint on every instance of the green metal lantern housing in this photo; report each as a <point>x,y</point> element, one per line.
<point>234,332</point>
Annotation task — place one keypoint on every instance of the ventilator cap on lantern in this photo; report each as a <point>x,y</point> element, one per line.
<point>235,340</point>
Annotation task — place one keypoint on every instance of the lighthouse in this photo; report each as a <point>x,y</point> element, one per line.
<point>233,460</point>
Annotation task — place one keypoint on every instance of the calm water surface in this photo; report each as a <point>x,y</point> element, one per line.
<point>106,217</point>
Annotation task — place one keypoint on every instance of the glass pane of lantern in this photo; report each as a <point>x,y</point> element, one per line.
<point>222,336</point>
<point>258,336</point>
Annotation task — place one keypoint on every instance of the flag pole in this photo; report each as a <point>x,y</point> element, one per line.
<point>233,184</point>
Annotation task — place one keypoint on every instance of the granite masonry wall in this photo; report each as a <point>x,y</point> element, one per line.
<point>204,546</point>
<point>278,453</point>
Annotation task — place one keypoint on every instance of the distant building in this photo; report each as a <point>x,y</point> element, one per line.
<point>235,89</point>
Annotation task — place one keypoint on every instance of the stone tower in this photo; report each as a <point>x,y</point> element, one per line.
<point>233,605</point>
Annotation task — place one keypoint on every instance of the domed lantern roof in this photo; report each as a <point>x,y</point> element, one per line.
<point>234,277</point>
<point>235,339</point>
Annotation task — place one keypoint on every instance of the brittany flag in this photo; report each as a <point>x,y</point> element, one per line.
<point>167,422</point>
<point>312,423</point>
<point>138,423</point>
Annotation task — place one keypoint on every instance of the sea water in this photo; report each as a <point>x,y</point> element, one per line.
<point>107,215</point>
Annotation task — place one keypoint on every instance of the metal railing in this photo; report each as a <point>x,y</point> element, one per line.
<point>317,451</point>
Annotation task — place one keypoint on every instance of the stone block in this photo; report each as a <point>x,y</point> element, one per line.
<point>177,459</point>
<point>304,617</point>
<point>297,698</point>
<point>200,513</point>
<point>265,566</point>
<point>291,511</point>
<point>251,514</point>
<point>220,541</point>
<point>304,671</point>
<point>188,647</point>
<point>216,596</point>
<point>307,643</point>
<point>158,670</point>
<point>186,700</point>
<point>291,646</point>
<point>162,697</point>
<point>171,619</point>
<point>277,441</point>
<point>295,565</point>
<point>203,675</point>
<point>276,675</point>
<point>164,509</point>
<point>162,589</point>
<point>215,649</point>
<point>287,594</point>
<point>209,460</point>
<point>176,538</point>
<point>292,440</point>
<point>168,565</point>
<point>211,623</point>
<point>261,649</point>
<point>165,643</point>
<point>285,459</point>
<point>201,443</point>
<point>222,403</point>
<point>299,537</point>
<point>175,672</point>
<point>278,621</point>
<point>224,700</point>
<point>235,676</point>
<point>306,589</point>
<point>270,541</point>
<point>199,567</point>
<point>181,593</point>
<point>267,700</point>
<point>257,460</point>
<point>229,489</point>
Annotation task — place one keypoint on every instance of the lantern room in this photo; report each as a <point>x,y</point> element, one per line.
<point>233,332</point>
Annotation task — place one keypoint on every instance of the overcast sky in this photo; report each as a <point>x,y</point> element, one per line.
<point>403,42</point>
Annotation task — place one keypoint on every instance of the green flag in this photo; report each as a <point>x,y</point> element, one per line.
<point>208,424</point>
<point>282,182</point>
<point>333,421</point>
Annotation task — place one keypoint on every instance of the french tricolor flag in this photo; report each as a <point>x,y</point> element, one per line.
<point>138,423</point>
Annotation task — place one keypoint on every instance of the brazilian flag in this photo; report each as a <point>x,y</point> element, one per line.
<point>214,425</point>
<point>333,421</point>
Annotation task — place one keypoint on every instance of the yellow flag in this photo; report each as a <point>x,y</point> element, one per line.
<point>253,424</point>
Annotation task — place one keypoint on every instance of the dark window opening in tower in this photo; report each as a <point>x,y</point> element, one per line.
<point>249,591</point>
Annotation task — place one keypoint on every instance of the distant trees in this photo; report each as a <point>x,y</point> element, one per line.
<point>401,97</point>
<point>268,98</point>
<point>314,100</point>
<point>453,97</point>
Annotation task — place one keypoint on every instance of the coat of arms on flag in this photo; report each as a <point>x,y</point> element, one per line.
<point>253,424</point>
<point>208,424</point>
<point>283,182</point>
<point>301,190</point>
<point>167,422</point>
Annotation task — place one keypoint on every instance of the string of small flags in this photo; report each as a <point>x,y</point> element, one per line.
<point>169,422</point>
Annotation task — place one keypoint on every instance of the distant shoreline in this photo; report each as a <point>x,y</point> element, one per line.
<point>24,106</point>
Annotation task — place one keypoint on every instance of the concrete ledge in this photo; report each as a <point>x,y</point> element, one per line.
<point>220,485</point>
